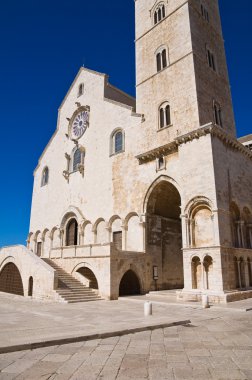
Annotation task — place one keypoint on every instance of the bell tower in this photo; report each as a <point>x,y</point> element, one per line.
<point>181,73</point>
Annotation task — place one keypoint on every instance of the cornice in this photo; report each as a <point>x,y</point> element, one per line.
<point>164,150</point>
<point>216,131</point>
<point>208,129</point>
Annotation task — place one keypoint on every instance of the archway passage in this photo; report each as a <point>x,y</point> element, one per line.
<point>164,235</point>
<point>129,284</point>
<point>10,280</point>
<point>90,278</point>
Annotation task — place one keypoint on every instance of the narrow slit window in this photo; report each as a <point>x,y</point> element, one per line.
<point>45,177</point>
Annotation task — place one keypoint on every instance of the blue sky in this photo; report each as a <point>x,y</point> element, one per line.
<point>42,46</point>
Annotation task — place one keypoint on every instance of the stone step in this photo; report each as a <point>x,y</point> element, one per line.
<point>79,296</point>
<point>94,300</point>
<point>70,289</point>
<point>84,293</point>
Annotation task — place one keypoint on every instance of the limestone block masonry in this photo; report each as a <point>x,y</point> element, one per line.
<point>153,193</point>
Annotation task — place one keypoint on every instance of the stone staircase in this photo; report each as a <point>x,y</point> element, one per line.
<point>70,290</point>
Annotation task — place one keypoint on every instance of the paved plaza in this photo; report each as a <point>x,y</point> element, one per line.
<point>206,344</point>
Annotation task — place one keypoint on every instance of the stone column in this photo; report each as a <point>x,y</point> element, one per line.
<point>124,237</point>
<point>61,237</point>
<point>81,234</point>
<point>238,234</point>
<point>143,226</point>
<point>192,232</point>
<point>109,233</point>
<point>202,268</point>
<point>184,224</point>
<point>243,242</point>
<point>216,233</point>
<point>239,273</point>
<point>42,246</point>
<point>250,235</point>
<point>51,245</point>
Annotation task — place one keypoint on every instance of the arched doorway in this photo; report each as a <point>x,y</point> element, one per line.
<point>10,280</point>
<point>72,233</point>
<point>89,277</point>
<point>129,284</point>
<point>164,234</point>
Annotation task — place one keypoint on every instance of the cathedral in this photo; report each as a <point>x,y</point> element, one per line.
<point>133,196</point>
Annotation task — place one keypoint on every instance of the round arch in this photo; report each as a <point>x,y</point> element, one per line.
<point>72,211</point>
<point>113,219</point>
<point>11,280</point>
<point>162,206</point>
<point>129,284</point>
<point>128,216</point>
<point>44,233</point>
<point>162,178</point>
<point>86,274</point>
<point>36,235</point>
<point>197,202</point>
<point>99,220</point>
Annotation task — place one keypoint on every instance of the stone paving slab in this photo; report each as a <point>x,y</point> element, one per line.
<point>26,324</point>
<point>145,355</point>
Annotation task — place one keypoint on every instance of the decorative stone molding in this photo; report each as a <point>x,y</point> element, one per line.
<point>216,131</point>
<point>154,154</point>
<point>212,129</point>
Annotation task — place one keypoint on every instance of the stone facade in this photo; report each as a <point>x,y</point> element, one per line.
<point>155,193</point>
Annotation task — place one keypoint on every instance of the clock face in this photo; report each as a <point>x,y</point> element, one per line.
<point>79,125</point>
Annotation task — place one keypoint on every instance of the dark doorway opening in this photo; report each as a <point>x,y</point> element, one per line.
<point>129,284</point>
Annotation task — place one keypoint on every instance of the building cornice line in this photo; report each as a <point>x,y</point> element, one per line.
<point>208,129</point>
<point>167,67</point>
<point>217,131</point>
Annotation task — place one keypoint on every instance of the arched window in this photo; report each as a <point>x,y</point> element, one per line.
<point>81,89</point>
<point>117,142</point>
<point>45,176</point>
<point>77,160</point>
<point>72,233</point>
<point>159,13</point>
<point>164,115</point>
<point>161,58</point>
<point>159,63</point>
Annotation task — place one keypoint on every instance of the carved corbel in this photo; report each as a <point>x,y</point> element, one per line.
<point>81,168</point>
<point>66,175</point>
